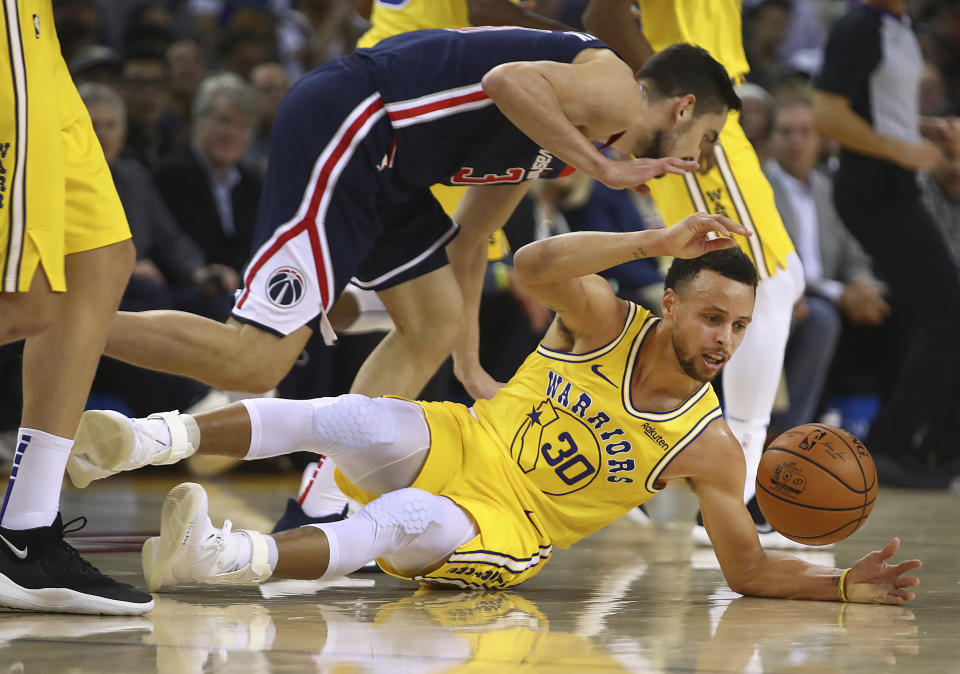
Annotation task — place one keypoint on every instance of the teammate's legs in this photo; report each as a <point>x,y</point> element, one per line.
<point>27,313</point>
<point>751,378</point>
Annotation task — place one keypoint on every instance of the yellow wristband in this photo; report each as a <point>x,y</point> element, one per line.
<point>843,580</point>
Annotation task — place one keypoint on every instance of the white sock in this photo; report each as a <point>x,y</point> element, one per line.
<point>33,493</point>
<point>239,550</point>
<point>320,495</point>
<point>751,436</point>
<point>273,553</point>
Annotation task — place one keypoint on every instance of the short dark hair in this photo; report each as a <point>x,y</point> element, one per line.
<point>731,263</point>
<point>683,69</point>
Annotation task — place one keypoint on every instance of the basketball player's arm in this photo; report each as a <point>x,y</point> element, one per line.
<point>564,106</point>
<point>483,210</point>
<point>837,119</point>
<point>506,13</point>
<point>560,271</point>
<point>615,22</point>
<point>715,465</point>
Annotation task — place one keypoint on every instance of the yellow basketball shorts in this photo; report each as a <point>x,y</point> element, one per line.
<point>466,466</point>
<point>56,193</point>
<point>734,187</point>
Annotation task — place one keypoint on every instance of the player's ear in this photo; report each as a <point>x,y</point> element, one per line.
<point>669,303</point>
<point>683,107</point>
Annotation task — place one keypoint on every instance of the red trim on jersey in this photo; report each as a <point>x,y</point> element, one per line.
<point>319,187</point>
<point>436,105</point>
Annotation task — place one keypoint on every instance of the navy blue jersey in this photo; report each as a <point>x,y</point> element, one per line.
<point>447,130</point>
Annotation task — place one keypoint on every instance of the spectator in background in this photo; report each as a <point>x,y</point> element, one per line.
<point>166,257</point>
<point>209,191</point>
<point>145,86</point>
<point>96,63</point>
<point>271,82</point>
<point>756,117</point>
<point>242,50</point>
<point>765,27</point>
<point>839,283</point>
<point>867,99</point>
<point>79,23</point>
<point>187,68</point>
<point>170,272</point>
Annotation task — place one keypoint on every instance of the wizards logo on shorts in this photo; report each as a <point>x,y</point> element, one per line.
<point>286,287</point>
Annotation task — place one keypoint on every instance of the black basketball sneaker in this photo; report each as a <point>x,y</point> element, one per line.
<point>40,571</point>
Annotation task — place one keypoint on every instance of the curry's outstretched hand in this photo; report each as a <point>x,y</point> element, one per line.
<point>633,173</point>
<point>873,581</point>
<point>690,237</point>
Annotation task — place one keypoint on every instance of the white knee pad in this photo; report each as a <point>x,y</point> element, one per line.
<point>412,529</point>
<point>353,422</point>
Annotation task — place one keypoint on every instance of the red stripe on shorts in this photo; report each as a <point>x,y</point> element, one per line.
<point>319,188</point>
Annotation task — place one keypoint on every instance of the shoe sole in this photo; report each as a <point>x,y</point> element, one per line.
<point>105,439</point>
<point>65,600</point>
<point>180,509</point>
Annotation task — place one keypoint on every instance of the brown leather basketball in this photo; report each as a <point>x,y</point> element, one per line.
<point>816,484</point>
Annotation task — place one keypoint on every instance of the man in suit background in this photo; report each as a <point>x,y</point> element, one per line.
<point>210,192</point>
<point>839,282</point>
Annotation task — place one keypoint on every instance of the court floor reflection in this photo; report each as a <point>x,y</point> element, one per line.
<point>628,599</point>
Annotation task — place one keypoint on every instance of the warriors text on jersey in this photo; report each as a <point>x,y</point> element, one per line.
<point>558,453</point>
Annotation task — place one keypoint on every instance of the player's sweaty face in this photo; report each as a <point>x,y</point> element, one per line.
<point>709,322</point>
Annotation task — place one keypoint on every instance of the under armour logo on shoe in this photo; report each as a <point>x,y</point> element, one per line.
<point>21,554</point>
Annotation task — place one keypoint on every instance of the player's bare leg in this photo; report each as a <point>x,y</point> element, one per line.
<point>59,364</point>
<point>29,313</point>
<point>58,368</point>
<point>233,356</point>
<point>427,316</point>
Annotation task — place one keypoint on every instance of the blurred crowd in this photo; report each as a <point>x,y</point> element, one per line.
<point>183,93</point>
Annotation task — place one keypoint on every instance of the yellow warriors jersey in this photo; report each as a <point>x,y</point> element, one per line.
<point>556,454</point>
<point>585,454</point>
<point>735,186</point>
<point>391,17</point>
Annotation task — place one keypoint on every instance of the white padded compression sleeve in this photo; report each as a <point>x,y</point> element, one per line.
<point>412,529</point>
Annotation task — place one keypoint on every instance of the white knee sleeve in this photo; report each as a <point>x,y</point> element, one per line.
<point>352,422</point>
<point>410,528</point>
<point>380,444</point>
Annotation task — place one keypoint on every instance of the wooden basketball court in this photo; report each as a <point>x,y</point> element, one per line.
<point>628,599</point>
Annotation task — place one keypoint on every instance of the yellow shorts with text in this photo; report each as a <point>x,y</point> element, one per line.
<point>468,467</point>
<point>57,196</point>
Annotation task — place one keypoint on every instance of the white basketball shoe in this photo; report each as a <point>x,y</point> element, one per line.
<point>107,443</point>
<point>190,549</point>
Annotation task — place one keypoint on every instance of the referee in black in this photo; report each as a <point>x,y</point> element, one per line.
<point>867,99</point>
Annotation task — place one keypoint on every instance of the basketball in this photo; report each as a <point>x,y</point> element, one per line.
<point>816,484</point>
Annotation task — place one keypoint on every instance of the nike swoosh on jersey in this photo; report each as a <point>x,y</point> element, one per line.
<point>21,554</point>
<point>596,370</point>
